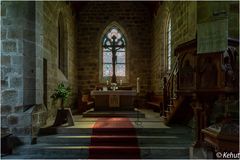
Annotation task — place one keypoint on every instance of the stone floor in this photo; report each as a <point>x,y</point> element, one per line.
<point>156,140</point>
<point>150,120</point>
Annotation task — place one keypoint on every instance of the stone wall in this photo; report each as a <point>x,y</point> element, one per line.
<point>135,19</point>
<point>18,65</point>
<point>211,11</point>
<point>158,49</point>
<point>29,34</point>
<point>49,13</point>
<point>11,55</point>
<point>185,16</point>
<point>183,20</point>
<point>233,24</point>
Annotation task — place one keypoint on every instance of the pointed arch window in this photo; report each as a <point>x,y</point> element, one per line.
<point>62,46</point>
<point>169,44</point>
<point>113,43</point>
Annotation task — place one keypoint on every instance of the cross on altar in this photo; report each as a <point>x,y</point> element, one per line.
<point>114,44</point>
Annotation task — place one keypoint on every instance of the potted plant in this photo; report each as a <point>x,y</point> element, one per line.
<point>62,93</point>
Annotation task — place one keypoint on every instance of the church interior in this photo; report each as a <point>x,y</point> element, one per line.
<point>119,79</point>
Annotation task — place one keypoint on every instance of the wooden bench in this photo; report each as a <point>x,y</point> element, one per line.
<point>155,102</point>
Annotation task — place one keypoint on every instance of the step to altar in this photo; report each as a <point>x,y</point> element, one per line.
<point>68,151</point>
<point>155,140</point>
<point>129,114</point>
<point>74,143</point>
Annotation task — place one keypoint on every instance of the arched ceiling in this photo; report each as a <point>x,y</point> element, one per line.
<point>152,6</point>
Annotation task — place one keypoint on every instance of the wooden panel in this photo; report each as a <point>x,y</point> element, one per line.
<point>126,101</point>
<point>209,71</point>
<point>187,74</point>
<point>114,100</point>
<point>101,101</point>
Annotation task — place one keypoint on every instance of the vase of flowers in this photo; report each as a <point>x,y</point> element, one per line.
<point>61,93</point>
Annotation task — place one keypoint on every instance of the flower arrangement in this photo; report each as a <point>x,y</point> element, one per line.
<point>62,93</point>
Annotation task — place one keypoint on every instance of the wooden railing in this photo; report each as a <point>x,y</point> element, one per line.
<point>169,88</point>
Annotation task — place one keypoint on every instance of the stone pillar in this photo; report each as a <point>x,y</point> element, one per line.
<point>18,68</point>
<point>29,52</point>
<point>39,52</point>
<point>11,62</point>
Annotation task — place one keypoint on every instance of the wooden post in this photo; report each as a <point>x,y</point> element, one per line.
<point>165,98</point>
<point>197,115</point>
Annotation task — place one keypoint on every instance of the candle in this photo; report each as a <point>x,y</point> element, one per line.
<point>107,82</point>
<point>120,82</point>
<point>138,86</point>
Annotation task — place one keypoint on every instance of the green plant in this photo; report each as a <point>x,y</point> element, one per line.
<point>62,93</point>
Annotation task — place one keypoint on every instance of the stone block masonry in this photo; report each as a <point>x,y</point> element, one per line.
<point>48,27</point>
<point>18,68</point>
<point>9,46</point>
<point>184,20</point>
<point>29,33</point>
<point>11,70</point>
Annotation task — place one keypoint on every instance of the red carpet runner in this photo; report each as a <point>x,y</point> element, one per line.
<point>114,138</point>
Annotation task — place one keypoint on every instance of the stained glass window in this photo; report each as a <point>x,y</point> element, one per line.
<point>114,39</point>
<point>107,57</point>
<point>107,69</point>
<point>120,57</point>
<point>120,70</point>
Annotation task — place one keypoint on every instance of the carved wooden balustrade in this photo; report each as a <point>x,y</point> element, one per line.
<point>198,82</point>
<point>181,82</point>
<point>169,89</point>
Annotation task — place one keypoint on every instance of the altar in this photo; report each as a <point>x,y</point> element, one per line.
<point>118,100</point>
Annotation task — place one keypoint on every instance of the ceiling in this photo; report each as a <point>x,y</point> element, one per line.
<point>152,6</point>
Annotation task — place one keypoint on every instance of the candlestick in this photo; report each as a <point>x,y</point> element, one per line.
<point>138,86</point>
